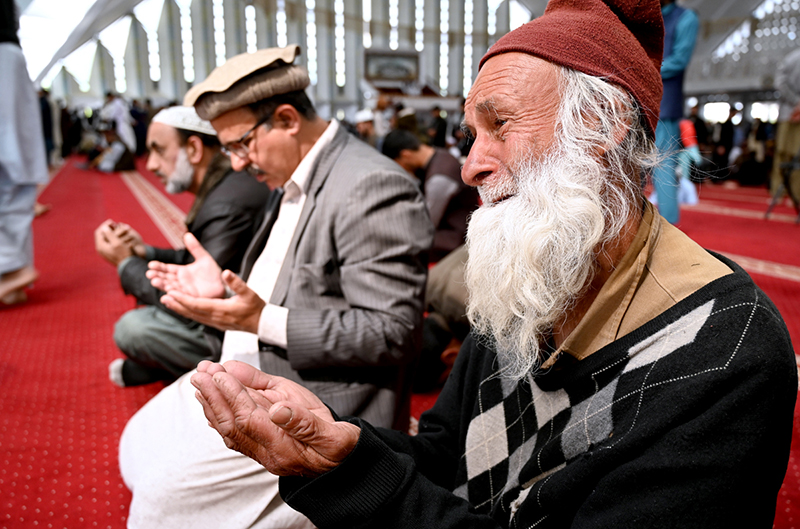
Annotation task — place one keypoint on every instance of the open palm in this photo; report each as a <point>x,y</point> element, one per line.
<point>199,279</point>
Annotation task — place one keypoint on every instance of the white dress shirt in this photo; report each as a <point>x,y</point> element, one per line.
<point>241,345</point>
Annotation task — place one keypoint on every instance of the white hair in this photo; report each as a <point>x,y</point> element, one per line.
<point>533,255</point>
<point>182,176</point>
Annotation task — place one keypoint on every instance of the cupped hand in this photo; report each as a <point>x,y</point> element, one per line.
<point>273,420</point>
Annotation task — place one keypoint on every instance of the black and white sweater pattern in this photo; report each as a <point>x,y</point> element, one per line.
<point>685,422</point>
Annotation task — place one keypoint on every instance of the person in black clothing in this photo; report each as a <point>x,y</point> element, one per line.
<point>723,146</point>
<point>437,132</point>
<point>47,124</point>
<point>185,154</point>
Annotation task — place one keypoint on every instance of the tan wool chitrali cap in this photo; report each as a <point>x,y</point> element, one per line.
<point>247,78</point>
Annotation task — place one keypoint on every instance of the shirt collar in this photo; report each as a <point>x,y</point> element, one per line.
<point>302,173</point>
<point>600,326</point>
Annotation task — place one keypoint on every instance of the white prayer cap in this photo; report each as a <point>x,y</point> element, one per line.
<point>362,116</point>
<point>185,118</point>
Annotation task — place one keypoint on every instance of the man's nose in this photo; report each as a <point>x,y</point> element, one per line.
<point>151,166</point>
<point>478,167</point>
<point>238,163</point>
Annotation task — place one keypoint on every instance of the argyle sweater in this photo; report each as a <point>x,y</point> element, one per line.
<point>684,422</point>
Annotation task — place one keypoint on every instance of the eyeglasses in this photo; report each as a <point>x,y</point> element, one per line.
<point>240,147</point>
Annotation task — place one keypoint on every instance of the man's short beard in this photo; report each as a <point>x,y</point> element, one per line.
<point>532,256</point>
<point>182,176</point>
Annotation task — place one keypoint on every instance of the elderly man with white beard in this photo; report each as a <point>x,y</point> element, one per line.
<point>185,154</point>
<point>618,375</point>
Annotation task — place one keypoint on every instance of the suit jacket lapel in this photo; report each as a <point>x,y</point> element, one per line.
<point>317,178</point>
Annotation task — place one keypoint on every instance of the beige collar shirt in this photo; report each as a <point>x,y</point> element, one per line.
<point>661,267</point>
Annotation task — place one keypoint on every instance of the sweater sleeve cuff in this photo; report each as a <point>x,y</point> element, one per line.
<point>352,493</point>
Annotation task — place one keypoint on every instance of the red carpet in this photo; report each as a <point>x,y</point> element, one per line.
<point>62,418</point>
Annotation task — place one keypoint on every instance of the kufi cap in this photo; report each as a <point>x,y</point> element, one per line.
<point>362,116</point>
<point>621,41</point>
<point>247,78</point>
<point>185,118</point>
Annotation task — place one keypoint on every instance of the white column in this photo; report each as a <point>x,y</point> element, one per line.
<point>102,77</point>
<point>322,93</point>
<point>503,23</point>
<point>406,25</point>
<point>429,58</point>
<point>480,38</point>
<point>172,84</point>
<point>265,24</point>
<point>296,21</point>
<point>380,24</point>
<point>354,53</point>
<point>456,39</point>
<point>137,69</point>
<point>203,39</point>
<point>235,40</point>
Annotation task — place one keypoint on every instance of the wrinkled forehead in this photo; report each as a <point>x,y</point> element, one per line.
<point>511,80</point>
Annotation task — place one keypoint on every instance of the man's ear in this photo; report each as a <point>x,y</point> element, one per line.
<point>287,117</point>
<point>194,150</point>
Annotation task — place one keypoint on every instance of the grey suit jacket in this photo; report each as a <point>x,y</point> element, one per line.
<point>354,281</point>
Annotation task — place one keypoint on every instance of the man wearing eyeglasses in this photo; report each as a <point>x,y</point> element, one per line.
<point>330,295</point>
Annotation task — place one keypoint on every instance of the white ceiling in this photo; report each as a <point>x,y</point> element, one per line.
<point>69,24</point>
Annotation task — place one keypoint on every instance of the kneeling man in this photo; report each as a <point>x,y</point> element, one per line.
<point>185,154</point>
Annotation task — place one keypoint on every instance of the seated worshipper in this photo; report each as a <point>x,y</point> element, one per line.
<point>365,125</point>
<point>330,296</point>
<point>618,375</point>
<point>113,155</point>
<point>117,111</point>
<point>450,201</point>
<point>185,154</point>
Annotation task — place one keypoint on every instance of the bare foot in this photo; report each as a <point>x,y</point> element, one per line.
<point>17,279</point>
<point>40,209</point>
<point>14,297</point>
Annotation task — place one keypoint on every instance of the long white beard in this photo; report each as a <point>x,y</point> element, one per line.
<point>181,178</point>
<point>531,256</point>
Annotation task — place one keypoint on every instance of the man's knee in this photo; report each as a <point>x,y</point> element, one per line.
<point>128,331</point>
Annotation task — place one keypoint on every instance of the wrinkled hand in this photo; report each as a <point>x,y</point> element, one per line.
<point>237,313</point>
<point>131,237</point>
<point>199,279</point>
<point>272,420</point>
<point>109,245</point>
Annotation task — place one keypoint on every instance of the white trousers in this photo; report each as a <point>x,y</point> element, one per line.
<point>182,475</point>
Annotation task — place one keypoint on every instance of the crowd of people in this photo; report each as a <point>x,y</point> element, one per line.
<point>611,372</point>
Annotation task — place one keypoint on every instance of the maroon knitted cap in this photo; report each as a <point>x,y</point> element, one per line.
<point>619,40</point>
